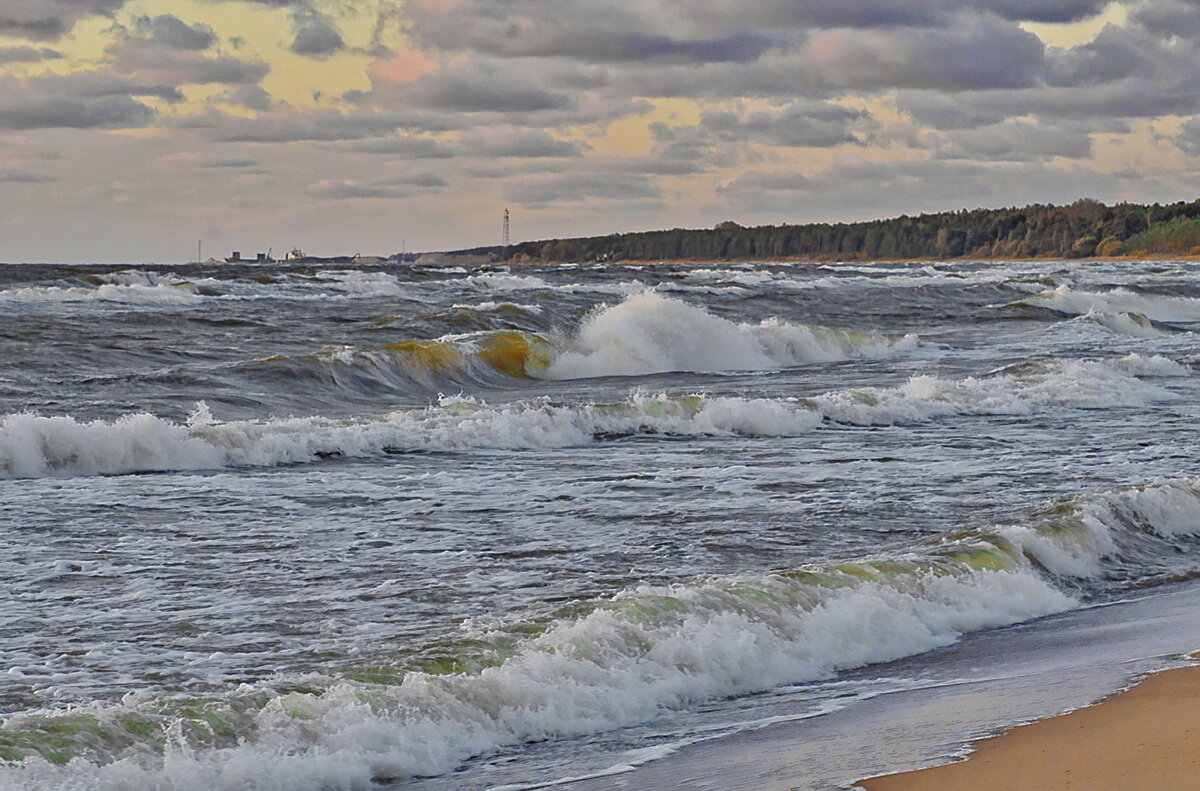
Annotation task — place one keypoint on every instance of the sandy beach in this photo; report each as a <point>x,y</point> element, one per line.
<point>1144,739</point>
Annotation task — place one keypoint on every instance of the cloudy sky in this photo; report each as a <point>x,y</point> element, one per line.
<point>131,128</point>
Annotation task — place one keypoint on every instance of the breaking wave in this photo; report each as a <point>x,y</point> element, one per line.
<point>646,333</point>
<point>1134,324</point>
<point>649,333</point>
<point>37,446</point>
<point>130,287</point>
<point>1158,307</point>
<point>598,665</point>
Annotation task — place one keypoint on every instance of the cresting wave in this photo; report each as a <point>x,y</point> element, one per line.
<point>35,446</point>
<point>129,287</point>
<point>601,664</point>
<point>650,333</point>
<point>646,333</point>
<point>1158,307</point>
<point>1134,324</point>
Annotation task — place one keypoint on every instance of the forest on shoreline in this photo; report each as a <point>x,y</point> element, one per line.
<point>1083,229</point>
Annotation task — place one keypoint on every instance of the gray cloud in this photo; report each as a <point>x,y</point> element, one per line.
<point>405,147</point>
<point>1188,138</point>
<point>522,143</point>
<point>629,46</point>
<point>173,32</point>
<point>352,189</point>
<point>1119,53</point>
<point>84,100</point>
<point>27,54</point>
<point>1014,142</point>
<point>481,92</point>
<point>231,162</point>
<point>977,52</point>
<point>863,185</point>
<point>758,182</point>
<point>49,19</point>
<point>43,112</point>
<point>1168,17</point>
<point>1130,98</point>
<point>966,52</point>
<point>325,125</point>
<point>1059,11</point>
<point>579,187</point>
<point>184,67</point>
<point>864,191</point>
<point>24,177</point>
<point>90,85</point>
<point>315,36</point>
<point>251,97</point>
<point>801,124</point>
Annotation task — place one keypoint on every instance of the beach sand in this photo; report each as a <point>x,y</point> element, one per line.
<point>1144,739</point>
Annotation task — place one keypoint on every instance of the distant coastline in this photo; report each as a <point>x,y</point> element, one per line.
<point>840,260</point>
<point>1083,229</point>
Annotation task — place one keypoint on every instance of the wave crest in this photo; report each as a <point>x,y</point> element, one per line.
<point>649,333</point>
<point>35,446</point>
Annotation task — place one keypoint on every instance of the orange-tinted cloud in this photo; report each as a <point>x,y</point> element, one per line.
<point>401,67</point>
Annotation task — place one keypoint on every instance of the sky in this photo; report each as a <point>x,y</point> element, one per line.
<point>131,129</point>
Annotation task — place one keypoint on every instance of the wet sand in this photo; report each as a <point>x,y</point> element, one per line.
<point>1144,739</point>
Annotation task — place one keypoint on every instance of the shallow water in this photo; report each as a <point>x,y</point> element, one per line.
<point>306,528</point>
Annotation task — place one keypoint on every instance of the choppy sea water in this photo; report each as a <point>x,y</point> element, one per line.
<point>293,528</point>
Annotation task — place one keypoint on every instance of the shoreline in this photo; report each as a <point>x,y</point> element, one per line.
<point>1146,737</point>
<point>833,260</point>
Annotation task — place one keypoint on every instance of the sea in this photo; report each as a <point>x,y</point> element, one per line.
<point>584,526</point>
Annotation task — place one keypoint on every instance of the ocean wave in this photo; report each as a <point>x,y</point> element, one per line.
<point>479,358</point>
<point>1133,324</point>
<point>357,283</point>
<point>491,306</point>
<point>1022,389</point>
<point>597,665</point>
<point>646,333</point>
<point>650,333</point>
<point>131,287</point>
<point>36,446</point>
<point>1158,307</point>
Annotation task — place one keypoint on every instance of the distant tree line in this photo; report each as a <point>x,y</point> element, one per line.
<point>1083,229</point>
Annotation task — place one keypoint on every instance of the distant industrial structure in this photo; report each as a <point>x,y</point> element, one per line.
<point>478,255</point>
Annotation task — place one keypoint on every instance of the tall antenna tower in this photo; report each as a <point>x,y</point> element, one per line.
<point>507,237</point>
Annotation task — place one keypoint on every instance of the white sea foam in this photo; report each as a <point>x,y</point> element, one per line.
<point>1066,299</point>
<point>649,648</point>
<point>1090,533</point>
<point>1167,509</point>
<point>1088,384</point>
<point>500,281</point>
<point>491,306</point>
<point>134,293</point>
<point>353,282</point>
<point>1134,324</point>
<point>650,333</point>
<point>36,446</point>
<point>1152,365</point>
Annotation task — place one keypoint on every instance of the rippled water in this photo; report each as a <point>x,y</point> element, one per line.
<point>298,528</point>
